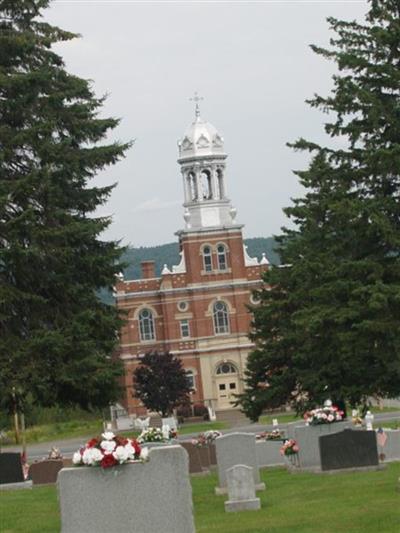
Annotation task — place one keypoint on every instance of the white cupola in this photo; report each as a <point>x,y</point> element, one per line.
<point>202,160</point>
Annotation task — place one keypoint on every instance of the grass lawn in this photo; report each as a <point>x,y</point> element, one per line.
<point>363,502</point>
<point>60,430</point>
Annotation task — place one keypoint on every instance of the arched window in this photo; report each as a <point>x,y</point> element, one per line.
<point>221,319</point>
<point>221,255</point>
<point>226,368</point>
<point>146,325</point>
<point>207,258</point>
<point>192,186</point>
<point>191,379</point>
<point>206,184</point>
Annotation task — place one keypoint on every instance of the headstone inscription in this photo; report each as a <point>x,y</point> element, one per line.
<point>236,449</point>
<point>11,468</point>
<point>348,449</point>
<point>241,489</point>
<point>195,466</point>
<point>45,472</point>
<point>154,496</point>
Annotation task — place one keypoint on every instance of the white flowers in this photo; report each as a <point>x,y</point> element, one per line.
<point>144,454</point>
<point>108,435</point>
<point>121,454</point>
<point>108,445</point>
<point>91,456</point>
<point>77,458</point>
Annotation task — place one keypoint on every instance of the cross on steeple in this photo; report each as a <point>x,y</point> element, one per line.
<point>196,98</point>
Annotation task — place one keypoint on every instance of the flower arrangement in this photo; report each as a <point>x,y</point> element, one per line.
<point>109,450</point>
<point>206,438</point>
<point>157,435</point>
<point>290,447</point>
<point>323,415</point>
<point>275,434</point>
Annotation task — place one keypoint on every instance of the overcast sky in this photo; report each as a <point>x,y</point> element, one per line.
<point>250,61</point>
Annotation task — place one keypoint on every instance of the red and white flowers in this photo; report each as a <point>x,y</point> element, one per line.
<point>290,447</point>
<point>323,415</point>
<point>109,450</point>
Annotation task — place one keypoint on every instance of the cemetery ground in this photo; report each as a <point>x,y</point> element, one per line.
<point>353,502</point>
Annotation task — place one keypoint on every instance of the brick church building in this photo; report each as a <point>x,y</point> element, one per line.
<point>198,308</point>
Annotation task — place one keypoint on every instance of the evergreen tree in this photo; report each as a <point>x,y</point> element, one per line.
<point>56,338</point>
<point>160,382</point>
<point>328,325</point>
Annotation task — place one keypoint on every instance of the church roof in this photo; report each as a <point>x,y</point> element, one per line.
<point>200,139</point>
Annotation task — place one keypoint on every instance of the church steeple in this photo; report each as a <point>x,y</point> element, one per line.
<point>202,160</point>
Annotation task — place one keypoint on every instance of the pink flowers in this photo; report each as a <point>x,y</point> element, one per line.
<point>323,415</point>
<point>108,451</point>
<point>290,447</point>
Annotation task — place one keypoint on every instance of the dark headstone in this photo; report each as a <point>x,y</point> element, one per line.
<point>204,454</point>
<point>194,457</point>
<point>348,449</point>
<point>11,468</point>
<point>45,472</point>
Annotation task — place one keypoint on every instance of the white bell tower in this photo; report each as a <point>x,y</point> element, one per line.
<point>202,161</point>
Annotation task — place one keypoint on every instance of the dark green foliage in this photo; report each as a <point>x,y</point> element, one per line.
<point>329,327</point>
<point>160,382</point>
<point>56,338</point>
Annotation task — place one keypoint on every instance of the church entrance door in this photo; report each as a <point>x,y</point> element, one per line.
<point>227,387</point>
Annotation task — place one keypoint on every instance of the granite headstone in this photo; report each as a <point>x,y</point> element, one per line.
<point>11,468</point>
<point>45,472</point>
<point>154,496</point>
<point>348,449</point>
<point>241,489</point>
<point>236,449</point>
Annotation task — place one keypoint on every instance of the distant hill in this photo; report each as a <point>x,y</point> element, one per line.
<point>169,254</point>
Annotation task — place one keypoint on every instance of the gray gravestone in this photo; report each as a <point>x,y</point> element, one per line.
<point>154,496</point>
<point>348,449</point>
<point>307,438</point>
<point>390,451</point>
<point>11,468</point>
<point>268,453</point>
<point>241,489</point>
<point>195,466</point>
<point>236,449</point>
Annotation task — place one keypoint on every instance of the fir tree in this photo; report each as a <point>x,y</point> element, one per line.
<point>328,325</point>
<point>161,383</point>
<point>56,338</point>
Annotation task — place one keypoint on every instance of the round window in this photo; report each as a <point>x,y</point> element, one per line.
<point>255,299</point>
<point>183,306</point>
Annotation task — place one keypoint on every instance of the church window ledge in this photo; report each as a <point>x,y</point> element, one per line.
<point>216,272</point>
